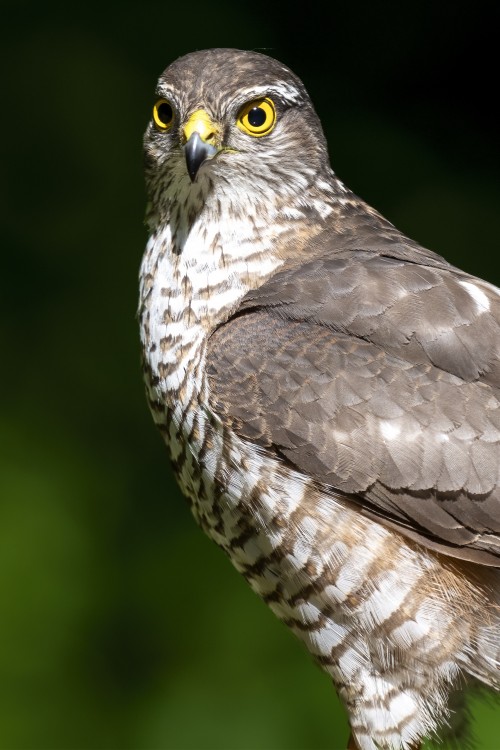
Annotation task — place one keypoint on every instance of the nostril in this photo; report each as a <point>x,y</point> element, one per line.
<point>201,123</point>
<point>209,137</point>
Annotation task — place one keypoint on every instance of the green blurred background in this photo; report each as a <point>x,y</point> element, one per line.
<point>121,626</point>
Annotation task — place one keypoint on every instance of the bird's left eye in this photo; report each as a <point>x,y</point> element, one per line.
<point>257,118</point>
<point>163,114</point>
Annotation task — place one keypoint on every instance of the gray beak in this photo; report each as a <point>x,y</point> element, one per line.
<point>196,152</point>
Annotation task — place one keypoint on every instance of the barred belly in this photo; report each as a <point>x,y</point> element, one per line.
<point>363,600</point>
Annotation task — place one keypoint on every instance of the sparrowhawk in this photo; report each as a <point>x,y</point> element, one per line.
<point>329,392</point>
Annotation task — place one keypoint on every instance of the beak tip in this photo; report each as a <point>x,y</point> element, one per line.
<point>197,151</point>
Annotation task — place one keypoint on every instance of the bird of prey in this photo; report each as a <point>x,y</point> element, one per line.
<point>329,392</point>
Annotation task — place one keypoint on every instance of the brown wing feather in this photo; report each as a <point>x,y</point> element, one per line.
<point>371,375</point>
<point>416,311</point>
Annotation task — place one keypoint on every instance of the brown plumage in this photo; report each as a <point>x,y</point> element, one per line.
<point>408,352</point>
<point>329,392</point>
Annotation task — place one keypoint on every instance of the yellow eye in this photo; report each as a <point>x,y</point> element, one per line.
<point>257,118</point>
<point>163,114</point>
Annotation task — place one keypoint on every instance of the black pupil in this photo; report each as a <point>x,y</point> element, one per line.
<point>165,113</point>
<point>256,117</point>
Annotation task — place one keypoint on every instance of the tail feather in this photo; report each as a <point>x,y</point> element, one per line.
<point>484,661</point>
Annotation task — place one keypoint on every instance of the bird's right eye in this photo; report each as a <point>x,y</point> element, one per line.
<point>163,114</point>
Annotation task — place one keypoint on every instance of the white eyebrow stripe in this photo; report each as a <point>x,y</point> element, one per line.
<point>166,91</point>
<point>285,91</point>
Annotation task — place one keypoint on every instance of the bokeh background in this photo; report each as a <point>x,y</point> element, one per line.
<point>121,626</point>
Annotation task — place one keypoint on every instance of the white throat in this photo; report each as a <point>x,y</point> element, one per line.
<point>193,275</point>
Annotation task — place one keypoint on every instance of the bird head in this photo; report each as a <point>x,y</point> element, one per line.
<point>226,119</point>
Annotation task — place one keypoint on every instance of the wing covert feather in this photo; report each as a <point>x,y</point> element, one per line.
<point>421,313</point>
<point>415,445</point>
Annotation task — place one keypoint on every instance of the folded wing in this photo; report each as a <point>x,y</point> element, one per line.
<point>378,378</point>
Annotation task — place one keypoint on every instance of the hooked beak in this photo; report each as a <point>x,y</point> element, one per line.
<point>200,135</point>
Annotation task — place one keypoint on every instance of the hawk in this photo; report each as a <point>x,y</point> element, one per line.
<point>329,392</point>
